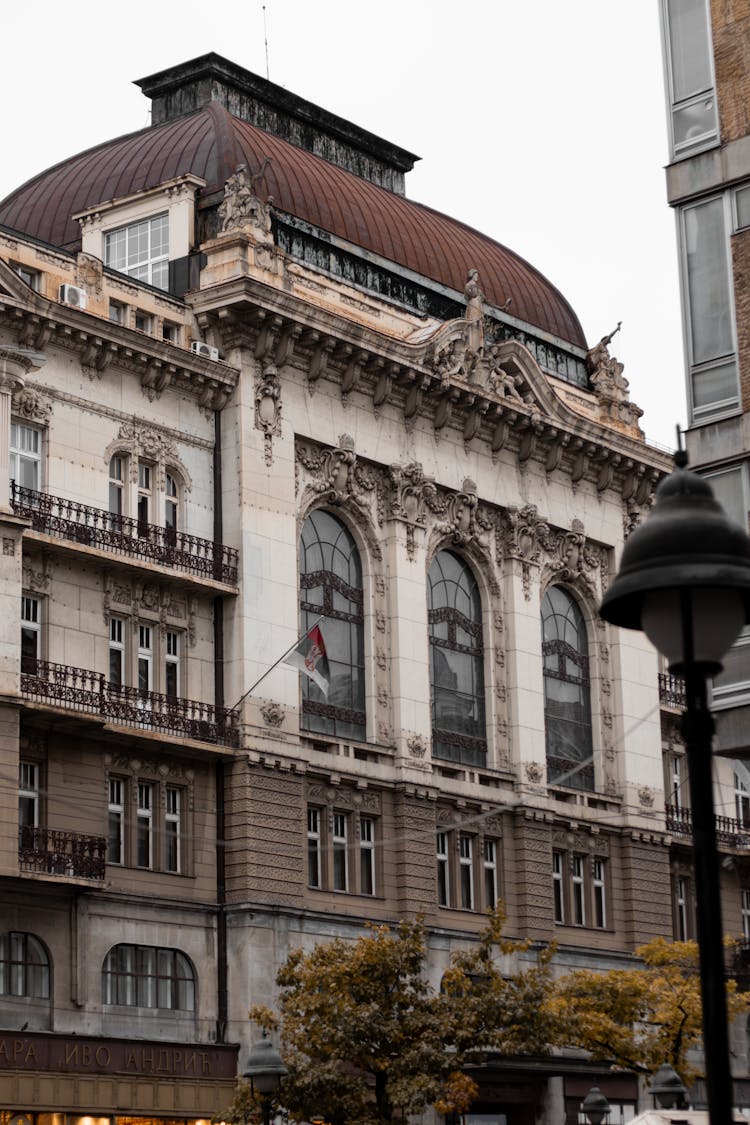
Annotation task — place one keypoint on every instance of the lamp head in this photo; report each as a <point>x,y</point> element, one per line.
<point>265,1068</point>
<point>667,1089</point>
<point>595,1106</point>
<point>686,557</point>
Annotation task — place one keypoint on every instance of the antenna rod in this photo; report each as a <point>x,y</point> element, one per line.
<point>265,40</point>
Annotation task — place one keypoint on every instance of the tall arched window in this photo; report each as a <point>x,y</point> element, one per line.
<point>331,584</point>
<point>24,966</point>
<point>567,699</point>
<point>454,613</point>
<point>144,976</point>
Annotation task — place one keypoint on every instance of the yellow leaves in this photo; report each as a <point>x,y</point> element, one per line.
<point>459,1092</point>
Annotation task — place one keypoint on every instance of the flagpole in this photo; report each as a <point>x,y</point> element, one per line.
<point>277,662</point>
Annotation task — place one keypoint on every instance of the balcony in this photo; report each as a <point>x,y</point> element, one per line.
<point>671,690</point>
<point>730,833</point>
<point>53,852</point>
<point>78,689</point>
<point>135,539</point>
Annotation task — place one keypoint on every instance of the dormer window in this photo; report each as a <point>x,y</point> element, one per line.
<point>141,250</point>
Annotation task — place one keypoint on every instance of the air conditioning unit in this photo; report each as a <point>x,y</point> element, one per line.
<point>197,347</point>
<point>71,295</point>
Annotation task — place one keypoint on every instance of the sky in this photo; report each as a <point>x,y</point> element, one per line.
<point>541,123</point>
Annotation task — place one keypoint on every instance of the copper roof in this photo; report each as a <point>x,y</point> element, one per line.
<point>211,142</point>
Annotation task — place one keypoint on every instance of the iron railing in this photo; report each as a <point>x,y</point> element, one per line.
<point>54,852</point>
<point>80,523</point>
<point>671,690</point>
<point>729,832</point>
<point>79,689</point>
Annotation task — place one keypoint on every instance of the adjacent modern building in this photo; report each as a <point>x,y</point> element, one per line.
<point>246,385</point>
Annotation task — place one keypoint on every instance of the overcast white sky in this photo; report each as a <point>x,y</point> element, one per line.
<point>539,122</point>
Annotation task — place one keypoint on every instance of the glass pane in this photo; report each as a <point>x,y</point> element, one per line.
<point>694,124</point>
<point>715,387</point>
<point>689,47</point>
<point>728,490</point>
<point>708,281</point>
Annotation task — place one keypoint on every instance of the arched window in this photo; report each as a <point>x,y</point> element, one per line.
<point>143,976</point>
<point>456,662</point>
<point>567,700</point>
<point>24,966</point>
<point>331,584</point>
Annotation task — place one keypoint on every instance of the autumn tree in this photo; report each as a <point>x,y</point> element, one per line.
<point>367,1039</point>
<point>641,1017</point>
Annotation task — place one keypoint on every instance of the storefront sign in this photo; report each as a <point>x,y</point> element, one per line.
<point>86,1055</point>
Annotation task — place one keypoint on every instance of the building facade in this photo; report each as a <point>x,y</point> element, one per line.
<point>248,385</point>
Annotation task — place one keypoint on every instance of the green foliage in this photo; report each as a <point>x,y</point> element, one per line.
<point>367,1039</point>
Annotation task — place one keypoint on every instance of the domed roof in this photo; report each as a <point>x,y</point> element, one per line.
<point>211,142</point>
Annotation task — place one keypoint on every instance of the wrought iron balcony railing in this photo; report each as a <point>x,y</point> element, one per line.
<point>54,852</point>
<point>729,832</point>
<point>79,523</point>
<point>671,690</point>
<point>79,689</point>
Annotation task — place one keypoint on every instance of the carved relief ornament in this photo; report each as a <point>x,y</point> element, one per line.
<point>268,408</point>
<point>31,405</point>
<point>337,475</point>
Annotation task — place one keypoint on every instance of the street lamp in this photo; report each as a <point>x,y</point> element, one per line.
<point>667,1089</point>
<point>595,1106</point>
<point>684,580</point>
<point>265,1071</point>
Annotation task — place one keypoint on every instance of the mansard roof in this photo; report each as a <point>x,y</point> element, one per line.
<point>210,142</point>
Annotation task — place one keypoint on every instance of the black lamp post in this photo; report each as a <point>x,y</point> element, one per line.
<point>265,1071</point>
<point>595,1106</point>
<point>684,579</point>
<point>667,1089</point>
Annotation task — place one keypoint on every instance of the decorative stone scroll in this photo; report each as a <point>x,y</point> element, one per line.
<point>32,406</point>
<point>408,495</point>
<point>337,476</point>
<point>268,408</point>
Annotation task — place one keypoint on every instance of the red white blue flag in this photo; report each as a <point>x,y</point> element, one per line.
<point>310,657</point>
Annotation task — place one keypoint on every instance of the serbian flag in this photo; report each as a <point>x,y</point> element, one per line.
<point>311,658</point>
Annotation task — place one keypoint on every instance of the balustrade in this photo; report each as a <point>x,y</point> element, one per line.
<point>54,852</point>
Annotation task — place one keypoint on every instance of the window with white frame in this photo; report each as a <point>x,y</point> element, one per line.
<point>709,320</point>
<point>31,625</point>
<point>489,867</point>
<point>141,250</point>
<point>145,658</point>
<point>677,789</point>
<point>116,651</point>
<point>116,821</point>
<point>171,664</point>
<point>732,685</point>
<point>28,794</point>
<point>340,851</point>
<point>684,928</point>
<point>24,966</point>
<point>173,830</point>
<point>314,869</point>
<point>143,976</point>
<point>117,478</point>
<point>145,825</point>
<point>694,122</point>
<point>729,485</point>
<point>741,801</point>
<point>26,455</point>
<point>145,476</point>
<point>745,909</point>
<point>579,890</point>
<point>31,277</point>
<point>171,502</point>
<point>466,870</point>
<point>443,870</point>
<point>367,882</point>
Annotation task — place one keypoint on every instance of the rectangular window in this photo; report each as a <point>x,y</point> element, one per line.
<point>677,782</point>
<point>558,885</point>
<point>144,498</point>
<point>745,907</point>
<point>172,665</point>
<point>687,37</point>
<point>30,633</point>
<point>578,892</point>
<point>732,685</point>
<point>144,825</point>
<point>25,455</point>
<point>116,830</point>
<point>171,332</point>
<point>143,321</point>
<point>116,651</point>
<point>598,894</point>
<point>171,503</point>
<point>710,316</point>
<point>443,874</point>
<point>466,871</point>
<point>141,250</point>
<point>117,312</point>
<point>28,794</point>
<point>172,830</point>
<point>314,875</point>
<point>366,855</point>
<point>145,659</point>
<point>117,472</point>
<point>682,916</point>
<point>340,856</point>
<point>730,489</point>
<point>490,874</point>
<point>31,277</point>
<point>741,801</point>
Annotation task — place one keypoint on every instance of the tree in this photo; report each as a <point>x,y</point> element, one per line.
<point>367,1039</point>
<point>639,1018</point>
